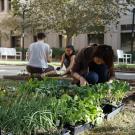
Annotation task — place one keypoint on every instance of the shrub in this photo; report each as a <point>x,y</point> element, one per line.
<point>133,55</point>
<point>57,52</point>
<point>20,49</point>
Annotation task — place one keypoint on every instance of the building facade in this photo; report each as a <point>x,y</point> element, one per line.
<point>118,35</point>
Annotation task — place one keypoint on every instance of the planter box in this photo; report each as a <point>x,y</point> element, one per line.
<point>65,132</point>
<point>27,77</point>
<point>114,112</point>
<point>128,70</point>
<point>16,77</point>
<point>77,130</point>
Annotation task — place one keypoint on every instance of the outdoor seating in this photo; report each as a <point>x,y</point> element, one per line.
<point>26,56</point>
<point>6,52</point>
<point>124,57</point>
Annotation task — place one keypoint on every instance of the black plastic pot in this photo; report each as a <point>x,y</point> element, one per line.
<point>65,132</point>
<point>80,129</point>
<point>108,108</point>
<point>114,112</point>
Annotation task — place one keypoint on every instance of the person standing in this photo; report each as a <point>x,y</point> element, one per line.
<point>39,55</point>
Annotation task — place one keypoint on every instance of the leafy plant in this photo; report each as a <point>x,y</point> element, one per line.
<point>35,106</point>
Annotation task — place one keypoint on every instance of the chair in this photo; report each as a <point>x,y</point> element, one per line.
<point>10,52</point>
<point>26,56</point>
<point>124,56</point>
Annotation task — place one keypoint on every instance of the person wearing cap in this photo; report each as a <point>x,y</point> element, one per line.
<point>39,55</point>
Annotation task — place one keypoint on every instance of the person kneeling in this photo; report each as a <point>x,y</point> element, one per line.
<point>39,56</point>
<point>93,65</point>
<point>67,59</point>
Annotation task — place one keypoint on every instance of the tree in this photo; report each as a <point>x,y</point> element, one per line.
<point>76,16</point>
<point>69,17</point>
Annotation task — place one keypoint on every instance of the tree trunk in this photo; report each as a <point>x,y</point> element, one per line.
<point>69,40</point>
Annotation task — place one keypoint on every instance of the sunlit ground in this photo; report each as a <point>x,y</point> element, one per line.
<point>12,62</point>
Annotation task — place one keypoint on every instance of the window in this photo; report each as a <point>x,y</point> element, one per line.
<point>9,4</point>
<point>128,1</point>
<point>127,27</point>
<point>95,38</point>
<point>60,41</point>
<point>0,40</point>
<point>122,1</point>
<point>15,41</point>
<point>126,41</point>
<point>2,5</point>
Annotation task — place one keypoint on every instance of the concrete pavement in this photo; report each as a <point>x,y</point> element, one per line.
<point>10,70</point>
<point>14,70</point>
<point>126,76</point>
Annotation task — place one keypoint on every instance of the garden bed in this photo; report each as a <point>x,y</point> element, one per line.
<point>131,82</point>
<point>123,123</point>
<point>126,68</point>
<point>16,77</point>
<point>131,70</point>
<point>27,77</point>
<point>37,105</point>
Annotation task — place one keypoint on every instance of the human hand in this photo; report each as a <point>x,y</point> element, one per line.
<point>83,82</point>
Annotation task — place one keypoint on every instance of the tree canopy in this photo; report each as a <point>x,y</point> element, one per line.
<point>70,16</point>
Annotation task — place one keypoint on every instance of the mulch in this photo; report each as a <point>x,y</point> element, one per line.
<point>38,76</point>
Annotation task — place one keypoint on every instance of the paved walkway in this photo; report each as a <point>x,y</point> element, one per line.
<point>14,70</point>
<point>10,70</point>
<point>127,76</point>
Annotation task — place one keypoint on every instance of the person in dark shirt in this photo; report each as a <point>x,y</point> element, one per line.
<point>93,65</point>
<point>68,59</point>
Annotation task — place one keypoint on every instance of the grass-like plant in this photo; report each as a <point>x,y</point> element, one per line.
<point>35,106</point>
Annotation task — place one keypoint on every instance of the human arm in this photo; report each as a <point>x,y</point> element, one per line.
<point>79,78</point>
<point>111,74</point>
<point>68,70</point>
<point>62,60</point>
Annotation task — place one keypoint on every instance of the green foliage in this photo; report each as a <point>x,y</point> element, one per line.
<point>37,105</point>
<point>70,17</point>
<point>133,55</point>
<point>20,49</point>
<point>16,6</point>
<point>125,66</point>
<point>57,52</point>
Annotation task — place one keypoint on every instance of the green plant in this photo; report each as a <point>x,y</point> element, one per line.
<point>57,52</point>
<point>125,66</point>
<point>27,115</point>
<point>35,103</point>
<point>117,91</point>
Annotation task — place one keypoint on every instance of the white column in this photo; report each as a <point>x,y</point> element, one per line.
<point>6,5</point>
<point>0,6</point>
